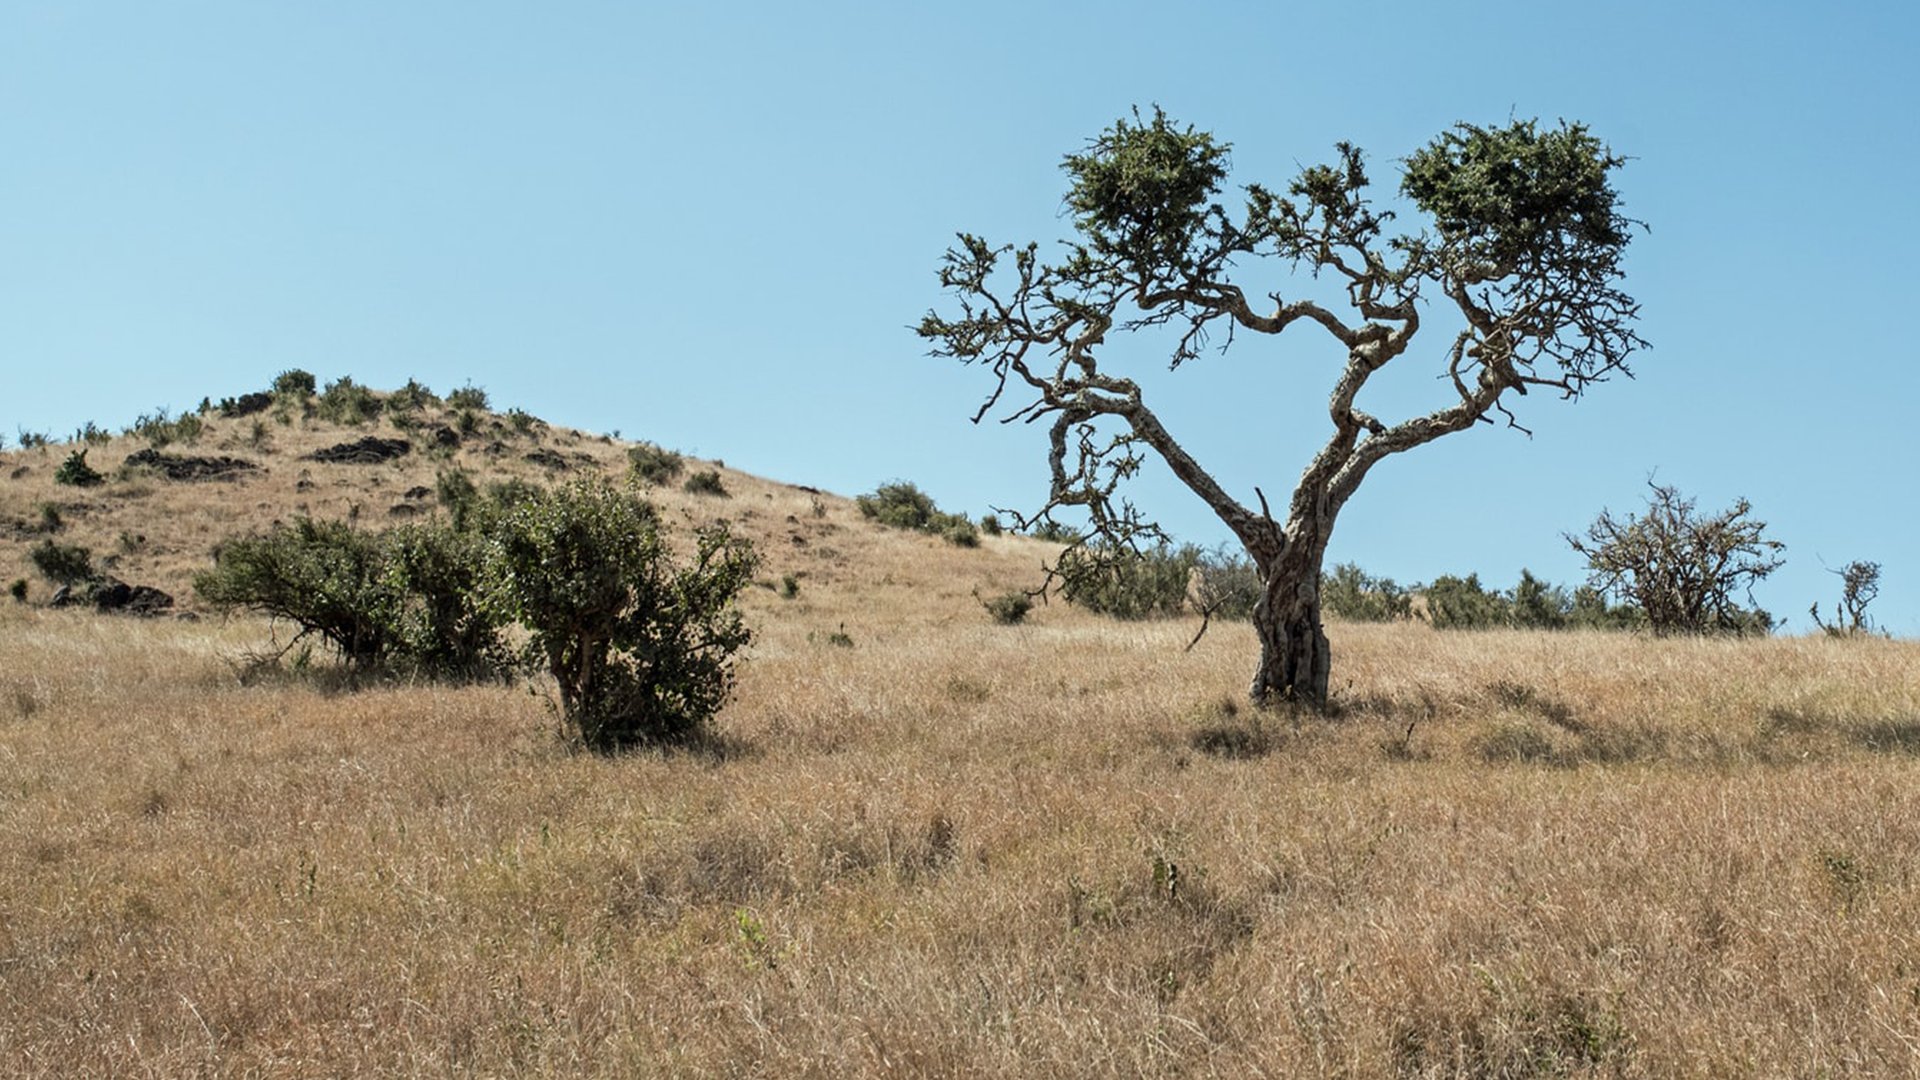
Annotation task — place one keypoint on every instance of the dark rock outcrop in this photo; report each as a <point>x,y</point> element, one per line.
<point>371,450</point>
<point>180,467</point>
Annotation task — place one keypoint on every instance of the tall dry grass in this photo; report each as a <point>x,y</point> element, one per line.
<point>944,851</point>
<point>955,848</point>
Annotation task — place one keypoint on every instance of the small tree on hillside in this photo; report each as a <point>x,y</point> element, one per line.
<point>1522,250</point>
<point>1682,570</point>
<point>641,649</point>
<point>1859,585</point>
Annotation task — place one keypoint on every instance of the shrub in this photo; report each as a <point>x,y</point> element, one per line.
<point>456,491</point>
<point>653,464</point>
<point>411,398</point>
<point>442,626</point>
<point>955,529</point>
<point>1537,605</point>
<point>347,402</point>
<point>1680,568</point>
<point>404,601</point>
<point>641,649</point>
<point>705,482</point>
<point>31,440</point>
<point>1009,607</point>
<point>468,398</point>
<point>92,434</point>
<point>18,590</point>
<point>1590,611</point>
<point>76,472</point>
<point>161,430</point>
<point>1348,592</point>
<point>295,384</point>
<point>898,504</point>
<point>990,524</point>
<point>1229,585</point>
<point>901,505</point>
<point>789,587</point>
<point>1053,532</point>
<point>523,422</point>
<point>50,519</point>
<point>1455,603</point>
<point>63,564</point>
<point>1859,585</point>
<point>1125,583</point>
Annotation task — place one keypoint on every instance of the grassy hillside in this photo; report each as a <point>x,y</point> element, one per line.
<point>954,848</point>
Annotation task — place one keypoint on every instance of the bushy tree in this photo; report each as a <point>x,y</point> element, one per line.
<point>1859,585</point>
<point>902,505</point>
<point>77,472</point>
<point>1351,593</point>
<point>1522,251</point>
<point>640,648</point>
<point>1462,603</point>
<point>63,564</point>
<point>1125,583</point>
<point>899,504</point>
<point>402,601</point>
<point>1682,569</point>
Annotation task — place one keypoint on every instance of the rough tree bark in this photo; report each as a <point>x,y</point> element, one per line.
<point>1524,255</point>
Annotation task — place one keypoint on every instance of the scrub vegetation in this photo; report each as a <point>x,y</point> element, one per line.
<point>1057,845</point>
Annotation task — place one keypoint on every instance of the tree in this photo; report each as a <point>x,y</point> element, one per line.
<point>1524,245</point>
<point>641,648</point>
<point>1859,585</point>
<point>401,601</point>
<point>1682,569</point>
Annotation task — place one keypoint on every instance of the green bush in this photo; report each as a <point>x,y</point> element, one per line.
<point>902,505</point>
<point>1348,592</point>
<point>161,430</point>
<point>404,601</point>
<point>990,524</point>
<point>654,465</point>
<point>411,398</point>
<point>1229,585</point>
<point>705,482</point>
<point>1456,603</point>
<point>1053,532</point>
<point>468,398</point>
<point>523,422</point>
<point>442,626</point>
<point>955,529</point>
<point>1125,583</point>
<point>898,504</point>
<point>641,649</point>
<point>63,564</point>
<point>1537,605</point>
<point>18,590</point>
<point>76,472</point>
<point>457,492</point>
<point>1009,607</point>
<point>347,402</point>
<point>92,434</point>
<point>295,384</point>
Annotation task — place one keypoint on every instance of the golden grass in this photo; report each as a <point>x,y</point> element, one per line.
<point>945,850</point>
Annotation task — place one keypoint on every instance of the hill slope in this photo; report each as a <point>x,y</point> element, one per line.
<point>953,848</point>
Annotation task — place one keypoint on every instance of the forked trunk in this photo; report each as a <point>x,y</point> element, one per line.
<point>1294,659</point>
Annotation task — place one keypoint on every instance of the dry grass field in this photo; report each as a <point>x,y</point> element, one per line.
<point>951,849</point>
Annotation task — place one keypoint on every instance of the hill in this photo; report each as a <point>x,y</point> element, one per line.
<point>936,846</point>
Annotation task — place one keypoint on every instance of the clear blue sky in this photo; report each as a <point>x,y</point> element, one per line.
<point>713,225</point>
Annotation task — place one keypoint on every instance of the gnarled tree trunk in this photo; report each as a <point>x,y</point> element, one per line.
<point>1295,661</point>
